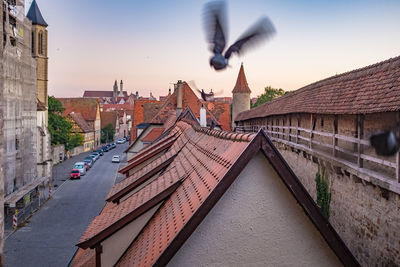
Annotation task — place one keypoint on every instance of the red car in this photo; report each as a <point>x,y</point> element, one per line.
<point>75,174</point>
<point>87,167</point>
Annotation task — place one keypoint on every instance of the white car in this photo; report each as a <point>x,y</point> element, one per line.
<point>115,159</point>
<point>81,167</point>
<point>120,141</point>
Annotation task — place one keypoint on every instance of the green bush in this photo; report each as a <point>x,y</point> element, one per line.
<point>323,192</point>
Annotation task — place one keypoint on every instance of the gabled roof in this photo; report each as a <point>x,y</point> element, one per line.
<point>86,106</point>
<point>189,99</point>
<point>35,15</point>
<point>371,89</point>
<point>207,163</point>
<point>107,117</point>
<point>80,121</point>
<point>241,83</point>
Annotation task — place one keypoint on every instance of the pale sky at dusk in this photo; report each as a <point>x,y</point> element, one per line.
<point>150,44</point>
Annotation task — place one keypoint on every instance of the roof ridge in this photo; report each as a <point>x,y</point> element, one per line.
<point>374,65</point>
<point>246,137</point>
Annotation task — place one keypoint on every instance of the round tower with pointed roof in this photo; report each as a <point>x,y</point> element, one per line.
<point>241,96</point>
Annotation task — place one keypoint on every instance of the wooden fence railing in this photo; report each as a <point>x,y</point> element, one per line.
<point>291,135</point>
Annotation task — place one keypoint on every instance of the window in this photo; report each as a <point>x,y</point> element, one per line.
<point>40,46</point>
<point>16,144</point>
<point>33,42</point>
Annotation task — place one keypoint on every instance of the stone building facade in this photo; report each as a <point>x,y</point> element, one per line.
<point>39,53</point>
<point>1,149</point>
<point>325,127</point>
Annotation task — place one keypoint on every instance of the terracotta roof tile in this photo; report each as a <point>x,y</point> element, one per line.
<point>189,99</point>
<point>371,89</point>
<point>81,122</point>
<point>107,117</point>
<point>86,106</point>
<point>153,134</point>
<point>84,258</point>
<point>139,114</point>
<point>241,83</point>
<point>203,159</point>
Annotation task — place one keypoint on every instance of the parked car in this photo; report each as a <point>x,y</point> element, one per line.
<point>115,159</point>
<point>120,141</point>
<point>127,138</point>
<point>75,174</point>
<point>97,155</point>
<point>105,148</point>
<point>100,151</point>
<point>89,160</point>
<point>109,146</point>
<point>113,145</point>
<point>81,167</point>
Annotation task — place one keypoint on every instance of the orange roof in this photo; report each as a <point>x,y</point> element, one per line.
<point>139,111</point>
<point>108,117</point>
<point>153,134</point>
<point>86,106</point>
<point>189,99</point>
<point>372,89</point>
<point>80,121</point>
<point>221,111</point>
<point>206,163</point>
<point>241,83</point>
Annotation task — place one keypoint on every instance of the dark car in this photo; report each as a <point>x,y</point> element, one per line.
<point>90,161</point>
<point>100,151</point>
<point>113,145</point>
<point>105,148</point>
<point>109,146</point>
<point>75,174</point>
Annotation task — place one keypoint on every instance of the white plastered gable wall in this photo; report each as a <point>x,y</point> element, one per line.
<point>257,222</point>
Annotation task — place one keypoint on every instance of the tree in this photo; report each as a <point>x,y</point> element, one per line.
<point>59,127</point>
<point>107,133</point>
<point>75,139</point>
<point>269,95</point>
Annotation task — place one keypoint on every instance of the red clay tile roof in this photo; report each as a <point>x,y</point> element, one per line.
<point>139,116</point>
<point>126,185</point>
<point>107,117</point>
<point>153,134</point>
<point>189,99</point>
<point>222,112</point>
<point>150,110</point>
<point>84,258</point>
<point>209,162</point>
<point>80,121</point>
<point>86,106</point>
<point>371,89</point>
<point>241,83</point>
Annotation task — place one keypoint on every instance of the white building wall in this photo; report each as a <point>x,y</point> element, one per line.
<point>257,222</point>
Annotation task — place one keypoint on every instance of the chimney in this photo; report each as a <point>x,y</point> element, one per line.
<point>121,88</point>
<point>179,98</point>
<point>203,116</point>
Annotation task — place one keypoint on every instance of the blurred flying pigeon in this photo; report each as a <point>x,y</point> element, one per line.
<point>215,27</point>
<point>206,97</point>
<point>385,144</point>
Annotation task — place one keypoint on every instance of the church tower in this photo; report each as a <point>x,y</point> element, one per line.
<point>39,50</point>
<point>115,92</point>
<point>241,96</point>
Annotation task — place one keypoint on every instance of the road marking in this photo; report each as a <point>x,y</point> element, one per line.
<point>58,188</point>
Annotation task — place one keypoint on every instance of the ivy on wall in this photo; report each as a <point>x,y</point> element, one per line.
<point>323,192</point>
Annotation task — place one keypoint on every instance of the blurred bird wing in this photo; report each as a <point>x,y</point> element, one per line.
<point>214,20</point>
<point>261,30</point>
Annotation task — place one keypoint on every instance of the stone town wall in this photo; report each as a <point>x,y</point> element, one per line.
<point>1,145</point>
<point>365,216</point>
<point>365,212</point>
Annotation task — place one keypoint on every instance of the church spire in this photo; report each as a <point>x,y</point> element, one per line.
<point>35,15</point>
